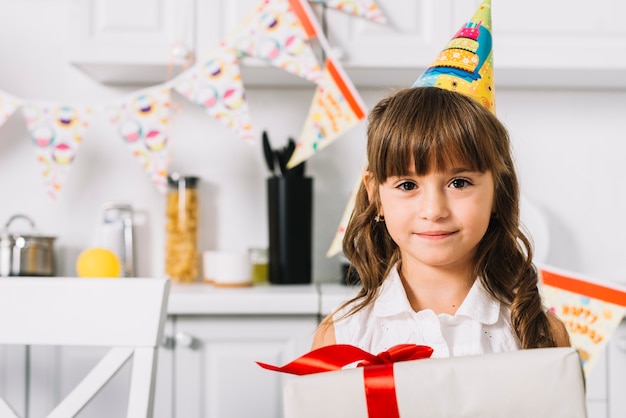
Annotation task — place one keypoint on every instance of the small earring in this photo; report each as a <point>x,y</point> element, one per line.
<point>379,218</point>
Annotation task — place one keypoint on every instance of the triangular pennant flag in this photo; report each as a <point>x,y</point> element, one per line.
<point>215,85</point>
<point>336,107</point>
<point>56,131</point>
<point>142,121</point>
<point>277,32</point>
<point>466,63</point>
<point>8,104</point>
<point>362,8</point>
<point>590,310</point>
<point>336,246</point>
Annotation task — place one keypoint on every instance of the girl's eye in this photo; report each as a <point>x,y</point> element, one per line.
<point>460,183</point>
<point>407,185</point>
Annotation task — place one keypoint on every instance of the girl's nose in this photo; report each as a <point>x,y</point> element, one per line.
<point>433,205</point>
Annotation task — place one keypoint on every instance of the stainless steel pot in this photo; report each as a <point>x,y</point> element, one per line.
<point>25,255</point>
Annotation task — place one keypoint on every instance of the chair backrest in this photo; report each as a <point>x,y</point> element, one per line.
<point>126,314</point>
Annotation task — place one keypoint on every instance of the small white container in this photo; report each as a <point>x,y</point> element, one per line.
<point>227,268</point>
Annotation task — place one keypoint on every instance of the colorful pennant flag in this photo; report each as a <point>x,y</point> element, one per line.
<point>277,32</point>
<point>215,85</point>
<point>466,64</point>
<point>362,8</point>
<point>56,131</point>
<point>336,107</point>
<point>590,310</point>
<point>142,121</point>
<point>8,104</point>
<point>337,245</point>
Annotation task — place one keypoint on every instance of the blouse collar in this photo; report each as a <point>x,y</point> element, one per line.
<point>478,304</point>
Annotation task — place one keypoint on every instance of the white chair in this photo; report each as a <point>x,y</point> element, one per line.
<point>126,314</point>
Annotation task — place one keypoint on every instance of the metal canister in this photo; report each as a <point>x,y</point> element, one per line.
<point>181,246</point>
<point>23,254</point>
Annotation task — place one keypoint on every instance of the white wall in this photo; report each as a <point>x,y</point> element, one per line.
<point>569,146</point>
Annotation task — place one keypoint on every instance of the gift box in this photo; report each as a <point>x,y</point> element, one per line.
<point>533,383</point>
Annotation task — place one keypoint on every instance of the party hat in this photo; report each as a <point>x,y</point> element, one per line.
<point>466,64</point>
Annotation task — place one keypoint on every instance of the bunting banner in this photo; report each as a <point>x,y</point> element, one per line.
<point>277,32</point>
<point>56,131</point>
<point>215,85</point>
<point>8,104</point>
<point>142,121</point>
<point>362,8</point>
<point>590,310</point>
<point>336,107</point>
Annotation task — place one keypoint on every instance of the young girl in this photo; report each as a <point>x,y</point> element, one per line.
<point>435,239</point>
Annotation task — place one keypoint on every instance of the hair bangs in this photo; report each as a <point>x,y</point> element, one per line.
<point>431,138</point>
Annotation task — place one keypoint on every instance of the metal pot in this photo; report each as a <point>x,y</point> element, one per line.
<point>25,255</point>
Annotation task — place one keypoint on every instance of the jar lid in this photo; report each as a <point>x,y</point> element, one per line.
<point>175,179</point>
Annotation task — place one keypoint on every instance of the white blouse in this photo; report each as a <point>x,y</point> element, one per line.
<point>480,325</point>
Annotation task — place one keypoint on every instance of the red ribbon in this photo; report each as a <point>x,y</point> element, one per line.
<point>380,387</point>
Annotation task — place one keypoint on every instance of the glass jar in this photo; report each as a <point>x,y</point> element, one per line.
<point>181,245</point>
<point>259,260</point>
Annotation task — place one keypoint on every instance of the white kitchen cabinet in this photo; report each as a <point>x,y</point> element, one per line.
<point>536,44</point>
<point>216,373</point>
<point>128,41</point>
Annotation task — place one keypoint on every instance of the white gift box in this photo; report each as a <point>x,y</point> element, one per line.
<point>534,383</point>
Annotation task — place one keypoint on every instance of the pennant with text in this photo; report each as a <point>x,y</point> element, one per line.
<point>142,121</point>
<point>362,8</point>
<point>215,85</point>
<point>56,131</point>
<point>590,310</point>
<point>336,107</point>
<point>277,32</point>
<point>8,104</point>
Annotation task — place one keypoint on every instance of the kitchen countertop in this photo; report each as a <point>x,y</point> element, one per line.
<point>297,299</point>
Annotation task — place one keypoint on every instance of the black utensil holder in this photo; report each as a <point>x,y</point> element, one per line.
<point>290,209</point>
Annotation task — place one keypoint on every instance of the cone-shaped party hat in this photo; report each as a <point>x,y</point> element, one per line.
<point>466,63</point>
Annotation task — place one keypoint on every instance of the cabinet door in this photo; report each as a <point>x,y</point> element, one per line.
<point>570,43</point>
<point>413,36</point>
<point>129,41</point>
<point>216,373</point>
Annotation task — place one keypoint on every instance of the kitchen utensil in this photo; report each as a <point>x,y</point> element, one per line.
<point>115,233</point>
<point>281,157</point>
<point>25,254</point>
<point>297,171</point>
<point>268,153</point>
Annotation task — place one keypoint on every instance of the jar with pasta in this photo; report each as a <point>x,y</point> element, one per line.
<point>181,245</point>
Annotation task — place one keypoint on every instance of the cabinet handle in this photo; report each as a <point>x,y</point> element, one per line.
<point>168,342</point>
<point>184,339</point>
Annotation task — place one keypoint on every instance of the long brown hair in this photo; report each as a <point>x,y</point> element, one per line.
<point>432,128</point>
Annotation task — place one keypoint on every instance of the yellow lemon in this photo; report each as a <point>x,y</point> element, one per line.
<point>98,262</point>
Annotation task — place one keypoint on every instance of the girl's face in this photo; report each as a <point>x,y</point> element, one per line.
<point>438,219</point>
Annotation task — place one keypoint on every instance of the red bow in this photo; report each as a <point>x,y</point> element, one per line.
<point>380,388</point>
